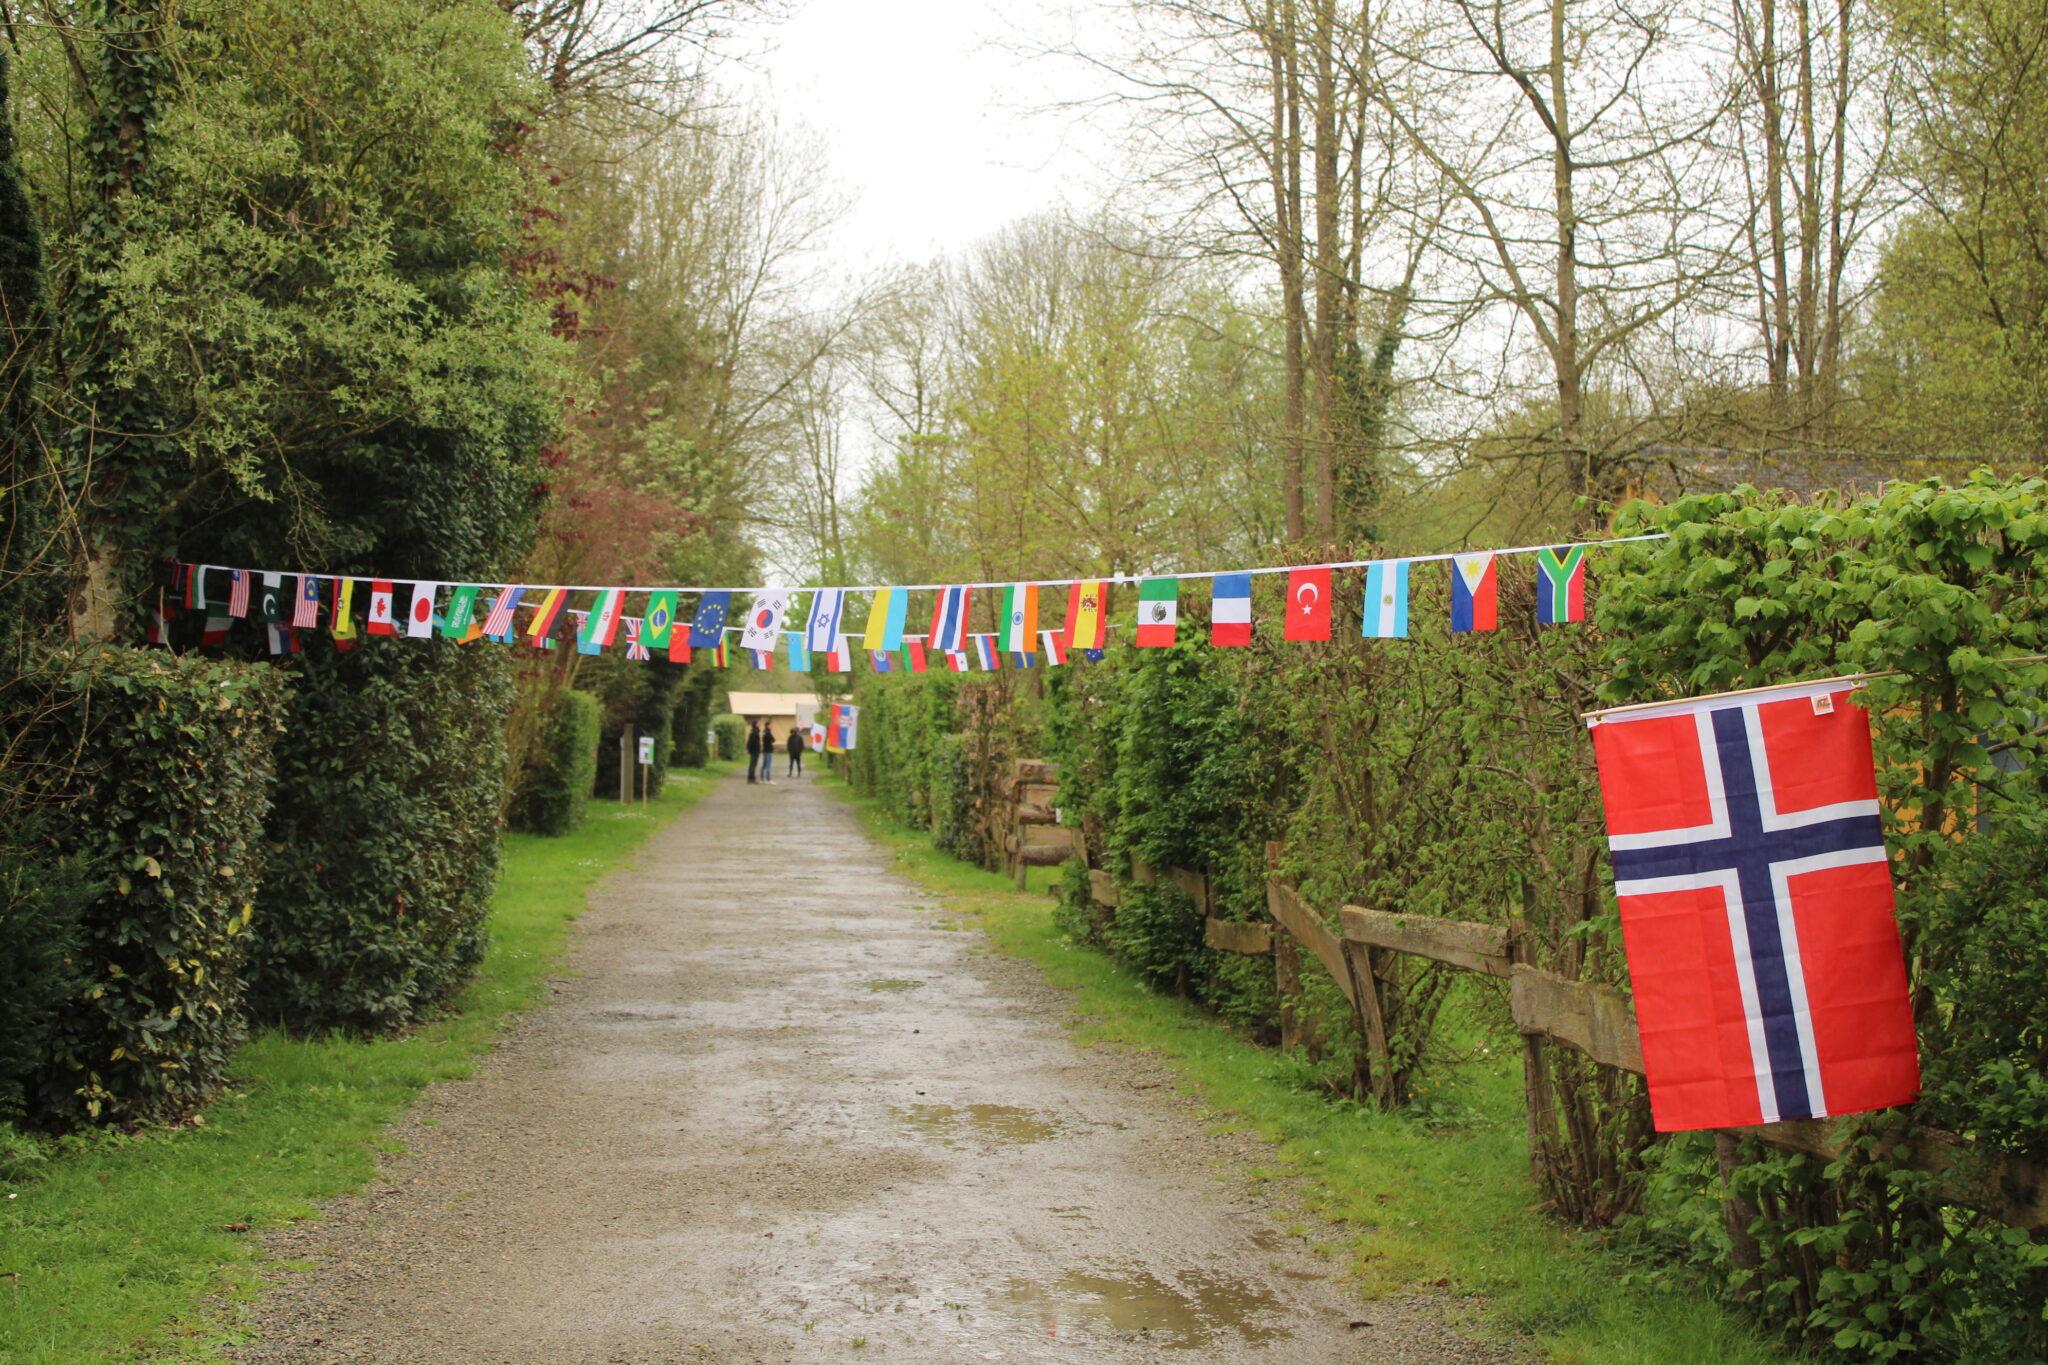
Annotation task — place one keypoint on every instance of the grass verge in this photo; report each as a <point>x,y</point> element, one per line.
<point>1417,1204</point>
<point>125,1248</point>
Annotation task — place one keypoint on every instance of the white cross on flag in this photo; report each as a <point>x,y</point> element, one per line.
<point>1756,905</point>
<point>420,623</point>
<point>764,620</point>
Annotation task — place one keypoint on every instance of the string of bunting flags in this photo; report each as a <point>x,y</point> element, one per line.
<point>213,597</point>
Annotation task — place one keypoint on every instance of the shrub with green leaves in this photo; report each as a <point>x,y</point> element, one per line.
<point>383,862</point>
<point>555,796</point>
<point>732,737</point>
<point>42,901</point>
<point>161,768</point>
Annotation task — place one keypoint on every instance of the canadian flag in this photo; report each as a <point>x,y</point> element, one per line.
<point>420,624</point>
<point>380,608</point>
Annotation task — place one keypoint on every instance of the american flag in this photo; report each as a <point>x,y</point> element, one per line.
<point>499,622</point>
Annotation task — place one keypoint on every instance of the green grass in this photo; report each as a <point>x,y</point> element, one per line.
<point>137,1248</point>
<point>1413,1203</point>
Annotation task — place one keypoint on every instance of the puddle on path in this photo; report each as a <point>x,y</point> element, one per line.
<point>1203,1308</point>
<point>1002,1124</point>
<point>891,984</point>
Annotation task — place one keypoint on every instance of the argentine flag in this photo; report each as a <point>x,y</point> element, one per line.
<point>1385,616</point>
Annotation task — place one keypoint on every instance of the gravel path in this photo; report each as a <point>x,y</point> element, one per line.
<point>780,1110</point>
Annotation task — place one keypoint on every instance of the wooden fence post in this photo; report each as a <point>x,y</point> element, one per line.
<point>1538,1093</point>
<point>626,759</point>
<point>1739,1212</point>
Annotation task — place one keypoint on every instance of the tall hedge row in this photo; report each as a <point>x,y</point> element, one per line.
<point>174,852</point>
<point>384,841</point>
<point>555,796</point>
<point>1453,776</point>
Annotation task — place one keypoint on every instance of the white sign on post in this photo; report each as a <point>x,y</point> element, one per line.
<point>647,752</point>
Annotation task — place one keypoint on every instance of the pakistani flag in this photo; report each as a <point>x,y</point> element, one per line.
<point>1158,612</point>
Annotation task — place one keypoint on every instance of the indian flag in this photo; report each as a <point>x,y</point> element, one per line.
<point>1020,618</point>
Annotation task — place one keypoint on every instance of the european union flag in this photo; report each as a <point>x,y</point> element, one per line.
<point>708,629</point>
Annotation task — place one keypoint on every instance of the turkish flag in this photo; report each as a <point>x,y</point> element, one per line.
<point>1756,907</point>
<point>1308,604</point>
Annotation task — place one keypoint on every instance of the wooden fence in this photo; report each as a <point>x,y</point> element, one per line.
<point>1549,1009</point>
<point>1024,822</point>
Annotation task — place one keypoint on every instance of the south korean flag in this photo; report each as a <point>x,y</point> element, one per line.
<point>764,620</point>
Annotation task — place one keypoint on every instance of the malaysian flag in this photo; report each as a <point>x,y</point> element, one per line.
<point>1756,906</point>
<point>306,608</point>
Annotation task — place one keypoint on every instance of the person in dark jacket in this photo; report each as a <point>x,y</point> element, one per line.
<point>796,748</point>
<point>768,753</point>
<point>753,748</point>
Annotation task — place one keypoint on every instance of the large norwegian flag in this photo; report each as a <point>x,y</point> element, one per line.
<point>1756,905</point>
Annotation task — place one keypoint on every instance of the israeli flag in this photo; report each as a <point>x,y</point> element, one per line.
<point>822,632</point>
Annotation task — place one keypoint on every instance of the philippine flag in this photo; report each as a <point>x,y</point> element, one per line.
<point>1756,907</point>
<point>1475,596</point>
<point>1386,600</point>
<point>1308,605</point>
<point>380,608</point>
<point>764,620</point>
<point>949,620</point>
<point>1230,610</point>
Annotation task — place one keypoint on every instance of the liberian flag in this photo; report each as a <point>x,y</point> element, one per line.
<point>1020,617</point>
<point>839,658</point>
<point>1158,612</point>
<point>1386,600</point>
<point>306,607</point>
<point>238,593</point>
<point>601,626</point>
<point>380,608</point>
<point>949,620</point>
<point>498,624</point>
<point>821,631</point>
<point>1308,605</point>
<point>956,660</point>
<point>1475,595</point>
<point>707,631</point>
<point>1054,646</point>
<point>985,652</point>
<point>799,653</point>
<point>636,645</point>
<point>886,618</point>
<point>1088,614</point>
<point>764,620</point>
<point>1756,907</point>
<point>1230,610</point>
<point>1561,584</point>
<point>421,622</point>
<point>461,622</point>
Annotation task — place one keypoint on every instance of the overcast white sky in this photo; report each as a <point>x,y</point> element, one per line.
<point>927,117</point>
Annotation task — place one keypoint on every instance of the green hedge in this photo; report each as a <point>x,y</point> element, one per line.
<point>385,859</point>
<point>732,737</point>
<point>556,796</point>
<point>640,694</point>
<point>165,768</point>
<point>690,726</point>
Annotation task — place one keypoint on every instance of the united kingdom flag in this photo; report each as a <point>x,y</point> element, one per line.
<point>1756,906</point>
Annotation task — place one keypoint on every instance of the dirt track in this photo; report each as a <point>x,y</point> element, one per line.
<point>782,1112</point>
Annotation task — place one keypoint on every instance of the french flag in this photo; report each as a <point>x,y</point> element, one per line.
<point>1756,907</point>
<point>1230,610</point>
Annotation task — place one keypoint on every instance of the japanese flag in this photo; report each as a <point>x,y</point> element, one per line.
<point>420,623</point>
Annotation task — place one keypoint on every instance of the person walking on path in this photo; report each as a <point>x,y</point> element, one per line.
<point>768,753</point>
<point>753,748</point>
<point>796,747</point>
